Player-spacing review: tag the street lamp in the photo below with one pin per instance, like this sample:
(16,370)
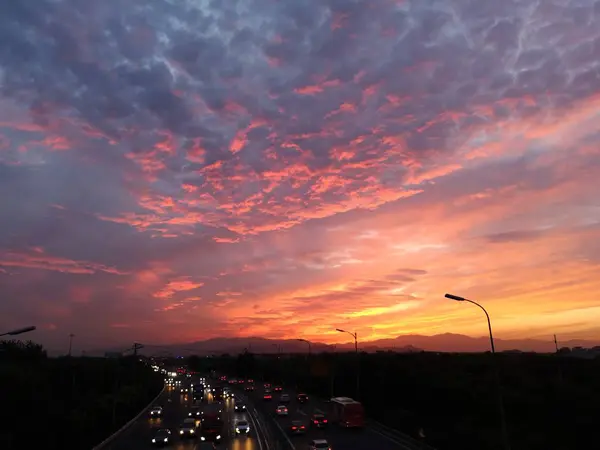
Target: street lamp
(308,342)
(18,331)
(496,372)
(355,336)
(71,336)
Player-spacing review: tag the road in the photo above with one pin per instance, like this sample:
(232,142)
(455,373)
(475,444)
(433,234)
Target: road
(139,435)
(372,437)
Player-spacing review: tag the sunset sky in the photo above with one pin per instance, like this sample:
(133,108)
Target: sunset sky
(172,171)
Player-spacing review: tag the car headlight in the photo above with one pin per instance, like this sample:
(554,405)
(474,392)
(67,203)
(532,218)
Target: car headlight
(191,431)
(180,431)
(219,436)
(202,438)
(153,440)
(166,439)
(237,430)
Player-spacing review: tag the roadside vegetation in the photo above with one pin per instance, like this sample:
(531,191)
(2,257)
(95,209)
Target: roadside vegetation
(68,402)
(551,402)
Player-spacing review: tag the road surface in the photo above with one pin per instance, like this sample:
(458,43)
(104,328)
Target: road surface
(139,435)
(372,437)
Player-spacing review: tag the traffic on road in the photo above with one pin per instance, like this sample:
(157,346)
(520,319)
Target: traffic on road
(188,417)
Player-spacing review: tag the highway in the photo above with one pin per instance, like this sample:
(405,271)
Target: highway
(371,437)
(138,436)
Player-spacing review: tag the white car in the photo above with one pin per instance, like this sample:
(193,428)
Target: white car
(156,411)
(281,410)
(319,444)
(242,428)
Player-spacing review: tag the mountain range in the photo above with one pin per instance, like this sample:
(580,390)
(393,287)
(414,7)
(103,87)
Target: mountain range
(447,342)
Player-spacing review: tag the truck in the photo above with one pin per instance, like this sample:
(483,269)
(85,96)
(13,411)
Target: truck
(346,412)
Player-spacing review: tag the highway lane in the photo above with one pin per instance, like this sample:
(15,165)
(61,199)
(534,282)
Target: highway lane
(339,438)
(175,410)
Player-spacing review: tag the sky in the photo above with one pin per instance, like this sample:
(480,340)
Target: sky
(172,171)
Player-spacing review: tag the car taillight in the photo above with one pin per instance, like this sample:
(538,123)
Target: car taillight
(324,420)
(316,421)
(294,428)
(302,427)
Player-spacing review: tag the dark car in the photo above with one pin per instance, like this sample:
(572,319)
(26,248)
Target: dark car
(302,398)
(278,389)
(267,395)
(297,427)
(318,420)
(242,428)
(240,407)
(249,387)
(195,412)
(162,437)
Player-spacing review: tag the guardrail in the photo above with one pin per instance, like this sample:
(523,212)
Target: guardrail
(397,436)
(113,436)
(260,426)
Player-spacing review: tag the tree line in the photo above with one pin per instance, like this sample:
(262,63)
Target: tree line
(551,402)
(68,402)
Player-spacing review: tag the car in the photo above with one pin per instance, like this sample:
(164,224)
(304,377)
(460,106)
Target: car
(284,398)
(240,407)
(195,412)
(302,398)
(297,427)
(319,444)
(278,389)
(281,410)
(242,428)
(187,428)
(184,390)
(267,395)
(318,420)
(156,411)
(161,437)
(249,388)
(267,386)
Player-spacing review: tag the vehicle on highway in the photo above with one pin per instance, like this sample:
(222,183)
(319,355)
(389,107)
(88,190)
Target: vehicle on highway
(267,385)
(156,411)
(227,393)
(249,387)
(250,381)
(161,437)
(278,389)
(233,381)
(211,430)
(347,412)
(267,395)
(212,413)
(284,398)
(319,444)
(318,420)
(281,410)
(302,398)
(218,393)
(184,390)
(297,427)
(242,428)
(195,412)
(240,407)
(187,428)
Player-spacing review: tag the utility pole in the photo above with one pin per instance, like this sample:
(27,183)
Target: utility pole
(71,336)
(136,347)
(560,375)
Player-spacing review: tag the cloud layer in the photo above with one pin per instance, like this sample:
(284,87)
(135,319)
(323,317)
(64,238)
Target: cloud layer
(284,168)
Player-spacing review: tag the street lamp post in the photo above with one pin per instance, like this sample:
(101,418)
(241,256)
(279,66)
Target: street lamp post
(355,336)
(18,331)
(502,413)
(71,336)
(308,342)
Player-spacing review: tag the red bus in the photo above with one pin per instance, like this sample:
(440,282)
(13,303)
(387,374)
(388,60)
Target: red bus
(347,412)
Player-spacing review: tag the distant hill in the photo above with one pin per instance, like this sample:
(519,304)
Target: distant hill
(447,342)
